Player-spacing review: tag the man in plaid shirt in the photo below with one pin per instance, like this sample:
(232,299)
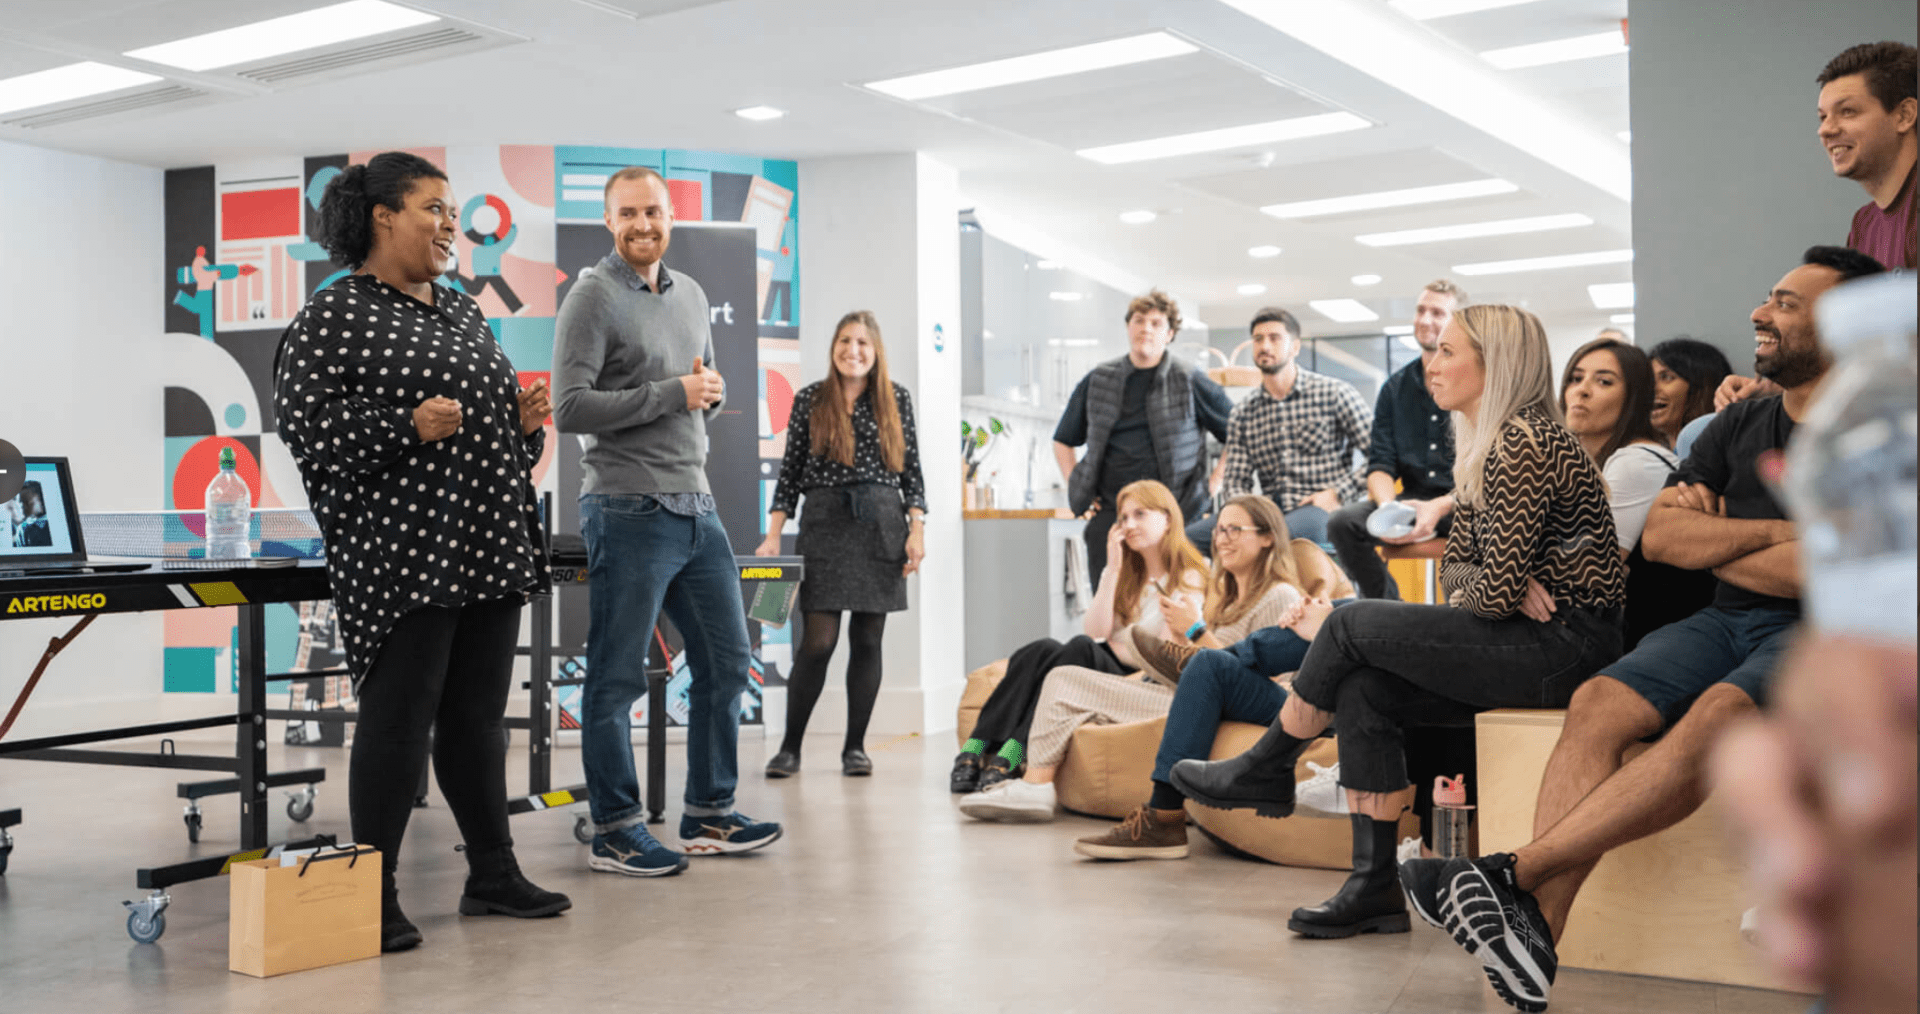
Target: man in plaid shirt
(1298,433)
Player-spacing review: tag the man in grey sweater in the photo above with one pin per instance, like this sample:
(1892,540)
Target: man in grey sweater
(632,376)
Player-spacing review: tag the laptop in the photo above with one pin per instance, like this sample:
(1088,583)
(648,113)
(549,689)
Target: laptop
(40,527)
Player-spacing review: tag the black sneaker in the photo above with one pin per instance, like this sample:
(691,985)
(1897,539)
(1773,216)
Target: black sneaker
(1493,919)
(1421,879)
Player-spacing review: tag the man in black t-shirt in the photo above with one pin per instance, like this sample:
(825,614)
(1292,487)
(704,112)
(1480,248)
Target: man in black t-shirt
(1689,680)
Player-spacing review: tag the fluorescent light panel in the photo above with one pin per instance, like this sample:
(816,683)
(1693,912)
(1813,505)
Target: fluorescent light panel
(1365,280)
(1066,297)
(1140,217)
(1579,260)
(1398,329)
(63,84)
(1611,295)
(1344,311)
(1390,199)
(1427,10)
(1227,137)
(1251,289)
(1473,230)
(1034,67)
(759,113)
(322,26)
(1539,54)
(1263,251)
(1621,318)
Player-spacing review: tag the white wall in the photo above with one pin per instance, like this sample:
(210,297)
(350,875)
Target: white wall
(82,279)
(882,234)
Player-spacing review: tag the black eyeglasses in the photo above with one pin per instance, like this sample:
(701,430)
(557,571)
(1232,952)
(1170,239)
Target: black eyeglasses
(1231,532)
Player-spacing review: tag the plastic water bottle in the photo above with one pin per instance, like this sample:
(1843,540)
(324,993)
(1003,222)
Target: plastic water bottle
(1452,818)
(229,513)
(1850,476)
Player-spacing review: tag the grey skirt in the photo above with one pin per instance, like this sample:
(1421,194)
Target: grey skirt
(854,539)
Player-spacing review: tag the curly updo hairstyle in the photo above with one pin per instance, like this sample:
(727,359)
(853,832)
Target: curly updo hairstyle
(346,209)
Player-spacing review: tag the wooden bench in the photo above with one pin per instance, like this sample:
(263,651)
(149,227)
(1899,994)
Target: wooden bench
(1668,905)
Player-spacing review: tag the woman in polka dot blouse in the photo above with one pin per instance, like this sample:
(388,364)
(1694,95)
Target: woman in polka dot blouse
(416,443)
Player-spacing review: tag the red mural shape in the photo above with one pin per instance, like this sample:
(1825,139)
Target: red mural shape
(260,214)
(688,205)
(779,401)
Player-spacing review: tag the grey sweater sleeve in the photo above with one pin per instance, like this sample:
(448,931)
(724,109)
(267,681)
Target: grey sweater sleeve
(579,356)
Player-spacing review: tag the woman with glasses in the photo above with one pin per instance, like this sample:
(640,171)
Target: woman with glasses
(1255,584)
(1535,587)
(1156,564)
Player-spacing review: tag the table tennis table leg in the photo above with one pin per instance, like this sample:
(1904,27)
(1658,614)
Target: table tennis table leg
(250,732)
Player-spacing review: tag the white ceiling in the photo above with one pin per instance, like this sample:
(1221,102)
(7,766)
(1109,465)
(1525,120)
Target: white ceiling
(669,74)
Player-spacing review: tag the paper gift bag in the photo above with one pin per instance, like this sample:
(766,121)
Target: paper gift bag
(322,910)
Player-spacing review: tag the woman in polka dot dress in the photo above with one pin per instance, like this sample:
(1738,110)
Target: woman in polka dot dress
(416,443)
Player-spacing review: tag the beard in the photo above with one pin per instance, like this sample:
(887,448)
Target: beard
(1269,369)
(1793,363)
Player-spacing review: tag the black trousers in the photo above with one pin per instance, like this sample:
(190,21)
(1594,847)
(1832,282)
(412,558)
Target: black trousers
(1008,713)
(445,672)
(1385,666)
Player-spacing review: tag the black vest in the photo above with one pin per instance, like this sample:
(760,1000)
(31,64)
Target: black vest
(1179,447)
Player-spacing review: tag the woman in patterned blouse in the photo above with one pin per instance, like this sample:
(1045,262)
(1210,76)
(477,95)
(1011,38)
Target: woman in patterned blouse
(415,443)
(1535,588)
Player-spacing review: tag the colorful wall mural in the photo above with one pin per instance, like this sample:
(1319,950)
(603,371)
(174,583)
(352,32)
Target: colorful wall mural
(242,263)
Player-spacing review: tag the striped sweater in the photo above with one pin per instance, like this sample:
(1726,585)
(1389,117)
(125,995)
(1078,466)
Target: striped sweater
(1546,516)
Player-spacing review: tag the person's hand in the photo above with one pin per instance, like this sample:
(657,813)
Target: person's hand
(1092,509)
(1327,500)
(1314,612)
(703,386)
(1426,518)
(916,549)
(1294,614)
(1539,604)
(1739,388)
(1694,496)
(1181,615)
(769,546)
(436,419)
(536,404)
(1116,540)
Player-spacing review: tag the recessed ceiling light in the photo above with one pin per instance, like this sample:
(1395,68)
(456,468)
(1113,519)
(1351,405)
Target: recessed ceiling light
(1398,329)
(1611,295)
(322,26)
(1263,251)
(1066,297)
(1140,217)
(1226,137)
(1625,135)
(1034,67)
(1344,311)
(759,113)
(60,84)
(1251,289)
(1620,318)
(1579,260)
(1365,280)
(1427,10)
(1474,230)
(1539,54)
(1408,57)
(1390,199)
(1047,265)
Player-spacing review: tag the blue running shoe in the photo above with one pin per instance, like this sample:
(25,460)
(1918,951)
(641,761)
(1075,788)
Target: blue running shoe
(635,852)
(718,836)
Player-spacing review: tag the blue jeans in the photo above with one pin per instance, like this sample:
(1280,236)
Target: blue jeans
(641,557)
(1308,523)
(1229,684)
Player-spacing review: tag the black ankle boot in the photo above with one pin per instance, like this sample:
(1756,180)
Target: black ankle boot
(1260,779)
(396,932)
(1370,901)
(495,886)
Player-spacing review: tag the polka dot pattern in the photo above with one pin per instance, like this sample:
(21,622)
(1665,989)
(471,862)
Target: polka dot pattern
(802,470)
(408,523)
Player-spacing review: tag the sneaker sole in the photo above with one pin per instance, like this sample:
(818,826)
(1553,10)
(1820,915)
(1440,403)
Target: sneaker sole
(1304,810)
(1260,808)
(715,847)
(1469,904)
(780,773)
(1122,853)
(1395,923)
(1007,814)
(616,866)
(475,906)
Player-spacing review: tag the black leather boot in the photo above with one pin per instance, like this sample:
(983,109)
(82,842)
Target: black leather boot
(1370,901)
(1260,779)
(396,932)
(495,886)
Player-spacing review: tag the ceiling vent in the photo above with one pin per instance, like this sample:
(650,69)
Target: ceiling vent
(430,42)
(163,95)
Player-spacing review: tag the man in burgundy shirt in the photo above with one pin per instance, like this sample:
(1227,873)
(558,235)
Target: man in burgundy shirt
(1867,113)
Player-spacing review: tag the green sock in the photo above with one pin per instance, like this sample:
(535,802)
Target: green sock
(1013,752)
(975,746)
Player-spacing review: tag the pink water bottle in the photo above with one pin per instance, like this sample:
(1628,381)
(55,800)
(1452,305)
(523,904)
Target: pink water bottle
(1452,818)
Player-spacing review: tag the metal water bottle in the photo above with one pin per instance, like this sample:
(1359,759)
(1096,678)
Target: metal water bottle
(1452,818)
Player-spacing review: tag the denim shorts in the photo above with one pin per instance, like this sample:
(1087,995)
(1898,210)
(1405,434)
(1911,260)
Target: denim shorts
(1678,662)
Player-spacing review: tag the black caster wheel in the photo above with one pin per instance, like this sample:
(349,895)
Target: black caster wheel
(193,834)
(146,929)
(300,809)
(583,830)
(4,853)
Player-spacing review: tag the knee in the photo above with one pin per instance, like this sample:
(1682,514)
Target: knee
(1350,522)
(1608,713)
(1720,706)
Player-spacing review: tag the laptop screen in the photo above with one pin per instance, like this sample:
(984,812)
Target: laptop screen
(41,523)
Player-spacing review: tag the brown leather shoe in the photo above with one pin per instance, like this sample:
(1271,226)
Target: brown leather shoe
(1163,658)
(1145,834)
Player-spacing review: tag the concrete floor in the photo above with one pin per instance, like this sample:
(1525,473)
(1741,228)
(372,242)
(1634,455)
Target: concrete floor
(880,898)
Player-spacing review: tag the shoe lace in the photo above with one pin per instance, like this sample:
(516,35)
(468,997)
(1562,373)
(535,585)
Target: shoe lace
(1135,826)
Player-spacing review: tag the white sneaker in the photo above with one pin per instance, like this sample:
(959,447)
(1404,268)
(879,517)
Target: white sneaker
(1015,801)
(1321,795)
(1408,851)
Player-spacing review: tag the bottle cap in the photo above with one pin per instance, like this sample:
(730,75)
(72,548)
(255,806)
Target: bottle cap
(226,457)
(1450,791)
(1879,306)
